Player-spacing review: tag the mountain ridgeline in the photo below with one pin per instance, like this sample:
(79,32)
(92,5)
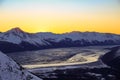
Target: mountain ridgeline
(16,40)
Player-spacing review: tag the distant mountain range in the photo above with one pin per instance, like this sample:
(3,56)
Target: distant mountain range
(16,40)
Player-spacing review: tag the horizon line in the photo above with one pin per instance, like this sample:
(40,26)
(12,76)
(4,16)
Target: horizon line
(60,33)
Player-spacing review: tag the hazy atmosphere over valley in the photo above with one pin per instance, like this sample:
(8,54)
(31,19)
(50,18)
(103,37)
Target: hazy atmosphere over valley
(59,40)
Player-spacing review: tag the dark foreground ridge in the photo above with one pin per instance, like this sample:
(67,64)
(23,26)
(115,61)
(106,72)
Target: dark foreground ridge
(112,58)
(82,74)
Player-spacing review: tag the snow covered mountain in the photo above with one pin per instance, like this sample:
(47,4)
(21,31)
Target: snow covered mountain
(112,58)
(18,40)
(10,70)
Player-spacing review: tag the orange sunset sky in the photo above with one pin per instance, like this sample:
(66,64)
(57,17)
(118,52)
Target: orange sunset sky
(60,16)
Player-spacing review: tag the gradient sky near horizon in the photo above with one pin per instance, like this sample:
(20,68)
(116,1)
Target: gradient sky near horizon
(60,16)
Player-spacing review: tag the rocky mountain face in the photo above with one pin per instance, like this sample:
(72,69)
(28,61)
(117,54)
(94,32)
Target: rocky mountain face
(112,58)
(10,70)
(16,40)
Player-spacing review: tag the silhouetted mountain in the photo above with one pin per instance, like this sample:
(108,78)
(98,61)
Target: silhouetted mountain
(18,40)
(112,58)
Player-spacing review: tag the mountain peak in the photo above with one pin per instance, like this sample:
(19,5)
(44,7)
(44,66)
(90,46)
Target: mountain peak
(75,32)
(16,30)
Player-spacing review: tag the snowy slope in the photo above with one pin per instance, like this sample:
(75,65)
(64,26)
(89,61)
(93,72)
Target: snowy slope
(9,70)
(35,41)
(112,58)
(88,36)
(16,35)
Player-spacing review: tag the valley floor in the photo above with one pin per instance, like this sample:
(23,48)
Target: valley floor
(81,63)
